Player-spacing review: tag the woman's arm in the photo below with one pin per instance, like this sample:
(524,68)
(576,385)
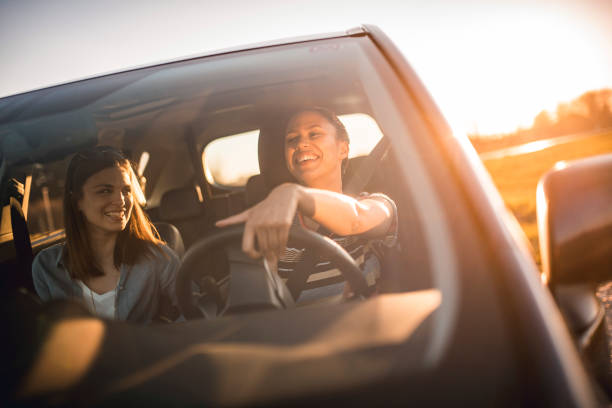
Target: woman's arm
(345,215)
(39,272)
(168,274)
(271,219)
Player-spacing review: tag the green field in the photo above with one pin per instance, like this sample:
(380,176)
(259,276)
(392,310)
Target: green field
(517,176)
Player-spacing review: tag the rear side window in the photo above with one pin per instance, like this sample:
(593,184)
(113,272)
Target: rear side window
(241,150)
(43,189)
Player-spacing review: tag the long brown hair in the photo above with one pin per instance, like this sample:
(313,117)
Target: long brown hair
(139,238)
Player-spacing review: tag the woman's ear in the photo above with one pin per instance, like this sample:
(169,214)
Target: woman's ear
(344,150)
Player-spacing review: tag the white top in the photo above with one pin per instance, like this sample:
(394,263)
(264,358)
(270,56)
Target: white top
(102,305)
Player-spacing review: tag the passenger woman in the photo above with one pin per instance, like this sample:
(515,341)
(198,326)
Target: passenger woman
(316,153)
(112,259)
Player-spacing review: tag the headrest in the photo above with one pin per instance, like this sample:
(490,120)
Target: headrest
(271,154)
(179,204)
(256,190)
(354,163)
(171,235)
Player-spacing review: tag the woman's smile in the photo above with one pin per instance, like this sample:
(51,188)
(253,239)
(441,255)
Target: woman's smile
(305,159)
(313,152)
(116,215)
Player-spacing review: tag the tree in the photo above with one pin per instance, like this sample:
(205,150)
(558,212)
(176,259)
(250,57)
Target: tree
(542,121)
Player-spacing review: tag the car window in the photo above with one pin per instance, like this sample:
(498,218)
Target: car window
(223,173)
(42,205)
(46,194)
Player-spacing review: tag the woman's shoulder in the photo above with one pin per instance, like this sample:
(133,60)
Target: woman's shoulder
(48,263)
(375,196)
(162,261)
(169,252)
(162,253)
(390,237)
(50,255)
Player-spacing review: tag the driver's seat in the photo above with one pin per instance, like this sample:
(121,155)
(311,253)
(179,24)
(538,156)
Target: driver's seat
(272,168)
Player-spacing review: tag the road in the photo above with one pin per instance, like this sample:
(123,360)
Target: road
(539,145)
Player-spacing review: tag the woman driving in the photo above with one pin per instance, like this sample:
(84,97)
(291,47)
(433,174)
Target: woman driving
(112,259)
(316,153)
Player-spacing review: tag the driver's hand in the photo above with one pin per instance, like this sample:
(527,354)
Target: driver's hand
(269,222)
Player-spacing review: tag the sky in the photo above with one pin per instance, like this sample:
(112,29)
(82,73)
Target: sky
(491,65)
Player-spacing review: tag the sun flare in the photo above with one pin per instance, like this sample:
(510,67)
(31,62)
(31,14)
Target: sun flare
(500,73)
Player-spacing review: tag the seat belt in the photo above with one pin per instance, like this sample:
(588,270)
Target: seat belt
(389,257)
(364,173)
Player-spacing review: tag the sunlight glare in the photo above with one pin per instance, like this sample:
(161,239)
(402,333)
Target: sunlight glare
(516,66)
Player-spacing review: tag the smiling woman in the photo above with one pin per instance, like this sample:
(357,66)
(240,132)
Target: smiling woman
(108,236)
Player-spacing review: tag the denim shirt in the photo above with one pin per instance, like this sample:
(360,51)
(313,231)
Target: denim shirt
(139,290)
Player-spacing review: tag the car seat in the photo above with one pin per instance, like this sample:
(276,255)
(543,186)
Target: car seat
(181,210)
(272,168)
(172,236)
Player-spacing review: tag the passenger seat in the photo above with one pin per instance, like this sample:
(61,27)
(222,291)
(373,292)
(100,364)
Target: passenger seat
(171,235)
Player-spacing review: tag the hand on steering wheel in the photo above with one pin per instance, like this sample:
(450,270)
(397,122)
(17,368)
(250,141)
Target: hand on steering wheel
(191,264)
(268,222)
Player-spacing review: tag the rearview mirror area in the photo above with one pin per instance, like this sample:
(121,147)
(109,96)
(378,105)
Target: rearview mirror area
(574,207)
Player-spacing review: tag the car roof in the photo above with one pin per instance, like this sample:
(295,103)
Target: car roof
(359,30)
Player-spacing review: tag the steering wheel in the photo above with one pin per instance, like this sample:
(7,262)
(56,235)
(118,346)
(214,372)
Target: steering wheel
(192,260)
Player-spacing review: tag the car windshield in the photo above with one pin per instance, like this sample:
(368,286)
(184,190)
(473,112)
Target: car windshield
(199,130)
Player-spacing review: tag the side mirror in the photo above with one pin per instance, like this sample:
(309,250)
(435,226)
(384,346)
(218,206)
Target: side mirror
(574,207)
